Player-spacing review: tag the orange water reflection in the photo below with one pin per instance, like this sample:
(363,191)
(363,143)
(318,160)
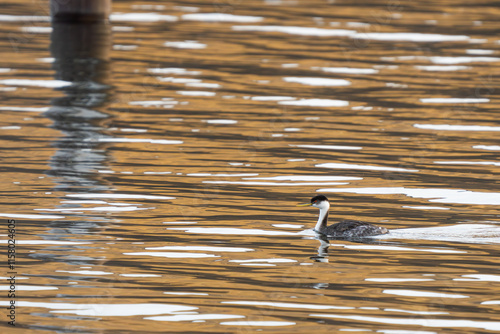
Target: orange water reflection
(158,191)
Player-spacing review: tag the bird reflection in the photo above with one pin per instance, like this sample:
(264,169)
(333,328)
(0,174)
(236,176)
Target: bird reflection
(322,249)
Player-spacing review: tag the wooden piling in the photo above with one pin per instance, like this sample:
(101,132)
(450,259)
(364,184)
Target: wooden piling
(79,10)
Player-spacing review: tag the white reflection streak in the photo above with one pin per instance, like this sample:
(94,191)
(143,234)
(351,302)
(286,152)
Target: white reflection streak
(478,277)
(152,103)
(491,302)
(353,166)
(277,183)
(265,260)
(141,17)
(347,70)
(117,310)
(100,208)
(290,305)
(85,272)
(195,93)
(258,323)
(172,255)
(221,17)
(29,109)
(235,231)
(448,127)
(396,248)
(317,81)
(222,174)
(486,163)
(122,196)
(221,121)
(479,52)
(272,98)
(305,178)
(394,280)
(35,83)
(185,44)
(140,140)
(178,80)
(330,147)
(417,293)
(195,317)
(489,325)
(47,242)
(425,207)
(413,37)
(173,70)
(459,60)
(471,233)
(15,215)
(292,30)
(203,84)
(415,312)
(442,68)
(178,293)
(459,196)
(316,103)
(28,288)
(203,248)
(28,18)
(454,100)
(487,147)
(37,30)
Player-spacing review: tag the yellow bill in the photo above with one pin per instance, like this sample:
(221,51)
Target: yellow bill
(306,204)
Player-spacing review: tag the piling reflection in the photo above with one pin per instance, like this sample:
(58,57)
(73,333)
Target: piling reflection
(81,57)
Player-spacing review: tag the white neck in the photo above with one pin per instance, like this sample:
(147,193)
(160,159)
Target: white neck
(323,216)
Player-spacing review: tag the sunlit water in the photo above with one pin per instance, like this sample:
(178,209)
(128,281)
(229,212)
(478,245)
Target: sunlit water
(153,167)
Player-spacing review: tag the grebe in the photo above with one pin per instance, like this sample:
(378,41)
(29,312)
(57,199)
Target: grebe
(344,229)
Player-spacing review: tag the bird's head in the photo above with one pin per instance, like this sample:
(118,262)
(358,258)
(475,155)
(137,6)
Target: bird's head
(318,201)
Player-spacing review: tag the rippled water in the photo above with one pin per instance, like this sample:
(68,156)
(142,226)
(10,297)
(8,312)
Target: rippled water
(153,167)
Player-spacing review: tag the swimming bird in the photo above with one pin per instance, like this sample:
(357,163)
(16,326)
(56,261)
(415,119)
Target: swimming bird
(349,229)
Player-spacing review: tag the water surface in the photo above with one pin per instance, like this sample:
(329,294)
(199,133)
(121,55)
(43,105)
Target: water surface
(153,166)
